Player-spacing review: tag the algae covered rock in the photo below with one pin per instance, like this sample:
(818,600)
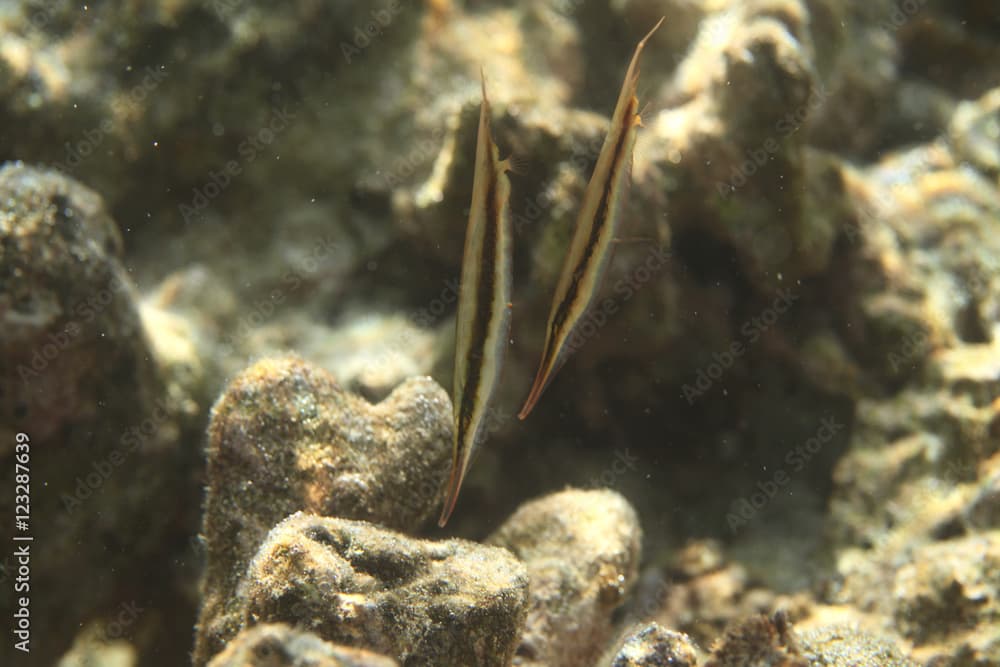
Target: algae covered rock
(761,641)
(71,332)
(655,646)
(731,156)
(426,603)
(581,549)
(947,601)
(839,646)
(278,645)
(285,437)
(84,405)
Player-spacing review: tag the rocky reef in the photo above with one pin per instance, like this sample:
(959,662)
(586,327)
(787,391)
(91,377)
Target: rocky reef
(230,237)
(101,414)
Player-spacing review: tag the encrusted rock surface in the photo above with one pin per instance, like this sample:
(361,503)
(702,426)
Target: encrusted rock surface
(817,187)
(99,421)
(845,646)
(947,600)
(285,437)
(71,331)
(654,646)
(278,645)
(425,603)
(760,641)
(582,550)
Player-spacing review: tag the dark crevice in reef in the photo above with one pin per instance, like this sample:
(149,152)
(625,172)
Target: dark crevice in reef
(709,260)
(969,325)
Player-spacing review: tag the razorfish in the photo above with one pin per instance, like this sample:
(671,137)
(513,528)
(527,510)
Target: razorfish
(482,323)
(596,226)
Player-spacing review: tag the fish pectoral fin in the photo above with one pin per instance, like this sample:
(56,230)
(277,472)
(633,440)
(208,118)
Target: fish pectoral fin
(515,164)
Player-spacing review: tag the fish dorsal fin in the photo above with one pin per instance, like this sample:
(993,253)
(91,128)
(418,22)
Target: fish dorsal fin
(632,75)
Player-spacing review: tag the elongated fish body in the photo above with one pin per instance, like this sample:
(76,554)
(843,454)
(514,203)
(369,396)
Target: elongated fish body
(596,226)
(482,322)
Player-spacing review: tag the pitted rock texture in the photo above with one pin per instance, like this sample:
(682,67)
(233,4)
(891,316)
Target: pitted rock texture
(278,645)
(582,550)
(439,604)
(285,437)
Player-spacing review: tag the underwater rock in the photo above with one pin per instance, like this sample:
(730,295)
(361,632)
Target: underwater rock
(285,437)
(654,646)
(581,549)
(975,132)
(369,353)
(91,411)
(922,464)
(760,641)
(704,598)
(912,303)
(915,513)
(729,156)
(425,603)
(278,645)
(840,646)
(314,158)
(71,329)
(946,600)
(914,495)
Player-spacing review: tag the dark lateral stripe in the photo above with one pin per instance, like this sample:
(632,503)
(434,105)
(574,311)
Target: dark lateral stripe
(601,216)
(484,301)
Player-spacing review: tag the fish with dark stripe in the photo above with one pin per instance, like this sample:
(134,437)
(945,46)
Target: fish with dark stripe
(596,226)
(482,323)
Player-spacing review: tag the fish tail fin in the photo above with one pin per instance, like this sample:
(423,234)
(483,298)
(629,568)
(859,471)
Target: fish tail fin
(451,498)
(537,387)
